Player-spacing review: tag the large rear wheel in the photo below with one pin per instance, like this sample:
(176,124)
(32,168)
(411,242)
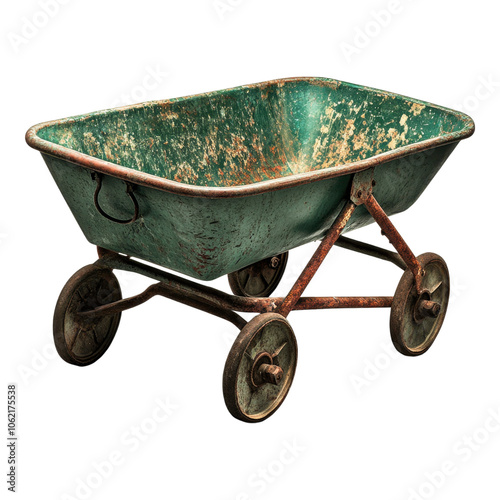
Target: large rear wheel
(83,340)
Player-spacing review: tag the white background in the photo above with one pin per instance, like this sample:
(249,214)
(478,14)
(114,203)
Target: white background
(365,421)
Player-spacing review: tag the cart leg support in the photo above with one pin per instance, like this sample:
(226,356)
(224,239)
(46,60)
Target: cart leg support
(371,250)
(170,286)
(208,299)
(362,194)
(395,238)
(168,292)
(319,256)
(224,305)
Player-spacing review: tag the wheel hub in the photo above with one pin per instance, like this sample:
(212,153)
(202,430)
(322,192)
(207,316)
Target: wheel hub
(425,307)
(265,371)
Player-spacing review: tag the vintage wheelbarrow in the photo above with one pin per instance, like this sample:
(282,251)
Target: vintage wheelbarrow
(226,183)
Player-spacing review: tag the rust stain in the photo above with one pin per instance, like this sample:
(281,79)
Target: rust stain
(249,134)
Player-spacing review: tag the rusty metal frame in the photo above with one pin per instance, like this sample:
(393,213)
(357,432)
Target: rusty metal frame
(209,299)
(395,238)
(319,255)
(371,250)
(226,305)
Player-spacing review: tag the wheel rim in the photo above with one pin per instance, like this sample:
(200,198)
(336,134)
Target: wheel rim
(259,279)
(260,368)
(84,340)
(417,318)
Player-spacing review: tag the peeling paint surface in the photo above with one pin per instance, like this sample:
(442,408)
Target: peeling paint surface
(254,133)
(188,158)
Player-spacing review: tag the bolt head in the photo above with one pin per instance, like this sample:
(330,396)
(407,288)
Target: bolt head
(271,374)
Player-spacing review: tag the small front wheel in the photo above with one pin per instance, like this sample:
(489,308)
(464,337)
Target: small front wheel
(260,368)
(83,340)
(259,279)
(416,318)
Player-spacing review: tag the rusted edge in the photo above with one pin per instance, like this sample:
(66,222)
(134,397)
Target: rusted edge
(148,180)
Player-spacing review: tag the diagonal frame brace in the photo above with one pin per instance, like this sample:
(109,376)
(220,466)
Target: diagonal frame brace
(223,305)
(316,260)
(362,194)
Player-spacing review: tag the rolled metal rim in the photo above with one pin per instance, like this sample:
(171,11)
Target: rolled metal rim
(149,180)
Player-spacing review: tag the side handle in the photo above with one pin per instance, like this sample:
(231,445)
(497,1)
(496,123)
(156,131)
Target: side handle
(129,190)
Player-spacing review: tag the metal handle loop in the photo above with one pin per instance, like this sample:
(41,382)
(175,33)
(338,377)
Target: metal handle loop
(98,178)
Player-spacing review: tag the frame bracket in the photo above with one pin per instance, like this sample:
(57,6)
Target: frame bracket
(362,186)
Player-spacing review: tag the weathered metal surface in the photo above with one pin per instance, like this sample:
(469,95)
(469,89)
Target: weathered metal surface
(83,339)
(417,315)
(174,291)
(213,300)
(267,374)
(216,139)
(305,303)
(362,186)
(260,368)
(210,169)
(231,181)
(426,309)
(319,255)
(259,279)
(371,250)
(389,230)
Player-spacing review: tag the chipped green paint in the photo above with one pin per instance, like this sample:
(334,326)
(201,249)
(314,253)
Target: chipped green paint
(228,178)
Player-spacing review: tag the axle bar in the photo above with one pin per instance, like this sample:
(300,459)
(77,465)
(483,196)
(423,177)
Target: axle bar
(211,300)
(371,250)
(319,255)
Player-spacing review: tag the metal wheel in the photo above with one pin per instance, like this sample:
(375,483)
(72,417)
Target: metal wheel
(260,368)
(82,341)
(259,279)
(417,318)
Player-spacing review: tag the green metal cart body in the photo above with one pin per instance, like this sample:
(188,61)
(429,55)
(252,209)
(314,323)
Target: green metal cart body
(226,183)
(225,179)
